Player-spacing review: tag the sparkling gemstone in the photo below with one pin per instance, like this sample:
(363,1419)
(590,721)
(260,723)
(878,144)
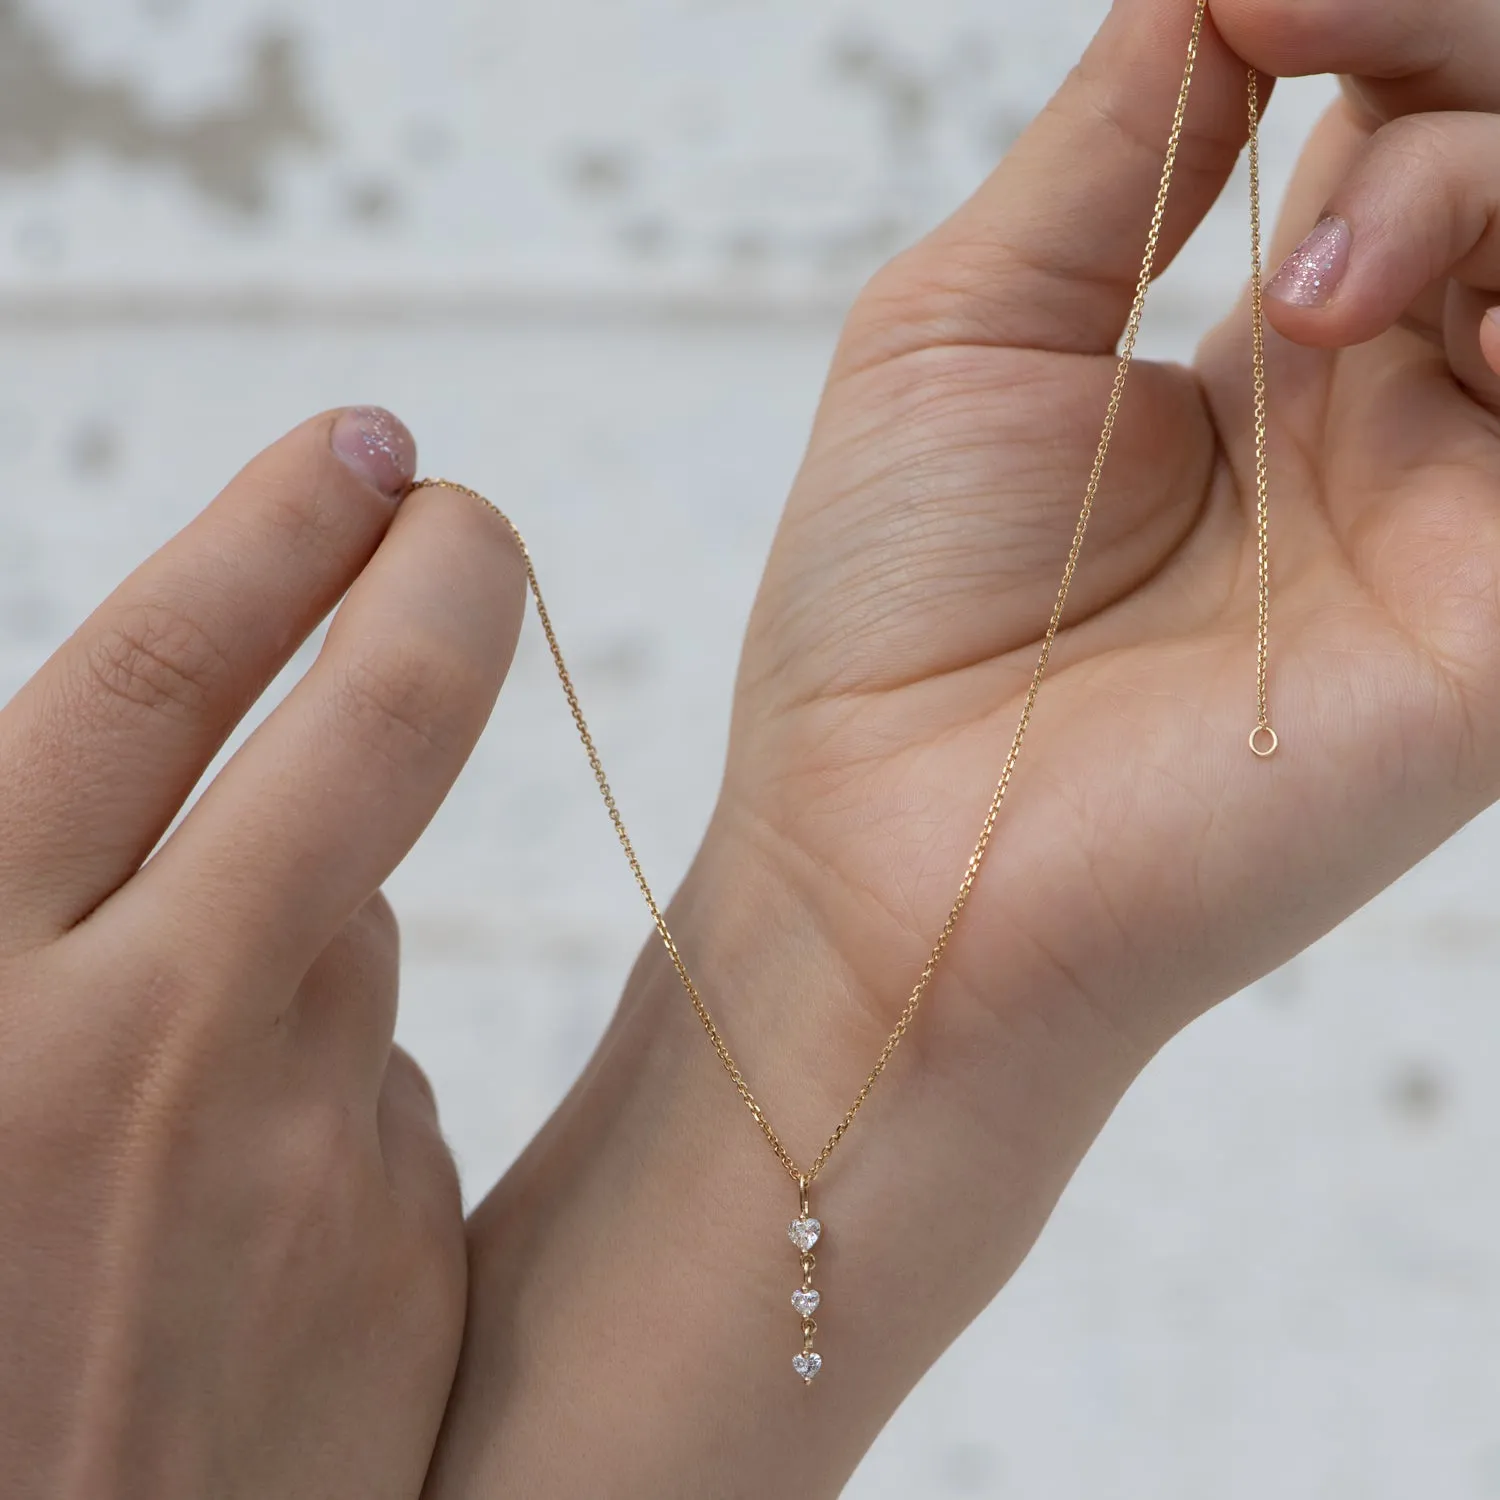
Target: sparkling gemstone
(807,1365)
(803,1233)
(806,1300)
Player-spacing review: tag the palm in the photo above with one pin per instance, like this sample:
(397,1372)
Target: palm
(1143,840)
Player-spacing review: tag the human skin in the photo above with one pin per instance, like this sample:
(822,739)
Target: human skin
(629,1331)
(231,1243)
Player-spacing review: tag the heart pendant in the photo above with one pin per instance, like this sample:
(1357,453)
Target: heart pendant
(807,1365)
(804,1233)
(805,1299)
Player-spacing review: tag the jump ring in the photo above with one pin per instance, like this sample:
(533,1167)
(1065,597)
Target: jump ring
(1263,741)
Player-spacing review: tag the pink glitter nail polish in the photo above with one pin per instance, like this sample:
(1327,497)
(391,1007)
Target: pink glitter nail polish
(377,446)
(1311,274)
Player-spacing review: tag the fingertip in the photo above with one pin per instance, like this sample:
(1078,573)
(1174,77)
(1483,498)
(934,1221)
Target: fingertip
(489,520)
(450,572)
(1330,36)
(377,446)
(1277,37)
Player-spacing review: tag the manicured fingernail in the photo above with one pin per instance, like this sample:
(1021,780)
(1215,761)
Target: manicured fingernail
(1310,275)
(377,446)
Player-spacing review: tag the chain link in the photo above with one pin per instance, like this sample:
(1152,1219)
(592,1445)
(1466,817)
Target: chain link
(805,1175)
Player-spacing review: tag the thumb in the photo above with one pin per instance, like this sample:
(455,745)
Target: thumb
(1047,253)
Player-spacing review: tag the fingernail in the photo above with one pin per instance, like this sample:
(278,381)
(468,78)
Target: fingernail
(377,446)
(1310,275)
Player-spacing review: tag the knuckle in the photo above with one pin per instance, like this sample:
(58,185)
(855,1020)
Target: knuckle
(303,518)
(919,279)
(138,1044)
(1421,142)
(377,923)
(427,1191)
(428,1264)
(406,1077)
(402,702)
(317,1157)
(903,304)
(952,288)
(171,1008)
(392,703)
(155,657)
(439,1269)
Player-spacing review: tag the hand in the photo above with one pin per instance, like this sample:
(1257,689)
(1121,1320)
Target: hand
(1146,865)
(231,1247)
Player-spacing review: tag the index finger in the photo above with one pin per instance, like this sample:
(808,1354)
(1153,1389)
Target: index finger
(1398,57)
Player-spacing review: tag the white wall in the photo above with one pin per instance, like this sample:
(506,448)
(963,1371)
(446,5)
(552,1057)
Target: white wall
(595,251)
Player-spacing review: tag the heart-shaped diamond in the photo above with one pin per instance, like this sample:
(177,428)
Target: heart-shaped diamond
(805,1299)
(807,1365)
(803,1233)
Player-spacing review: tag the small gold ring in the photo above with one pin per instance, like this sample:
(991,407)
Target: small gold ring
(1259,745)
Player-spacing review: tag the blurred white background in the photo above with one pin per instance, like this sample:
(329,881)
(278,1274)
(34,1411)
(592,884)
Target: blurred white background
(595,252)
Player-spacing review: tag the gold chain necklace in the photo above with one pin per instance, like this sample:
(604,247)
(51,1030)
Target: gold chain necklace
(805,1231)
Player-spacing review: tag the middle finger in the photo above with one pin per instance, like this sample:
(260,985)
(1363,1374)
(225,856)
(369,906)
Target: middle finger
(101,748)
(319,806)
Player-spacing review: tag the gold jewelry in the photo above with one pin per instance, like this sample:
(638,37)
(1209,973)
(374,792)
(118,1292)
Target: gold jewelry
(805,1231)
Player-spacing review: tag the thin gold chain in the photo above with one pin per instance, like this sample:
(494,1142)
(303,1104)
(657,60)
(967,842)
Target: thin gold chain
(804,1176)
(1262,738)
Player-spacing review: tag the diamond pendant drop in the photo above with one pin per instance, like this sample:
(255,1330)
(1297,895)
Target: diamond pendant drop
(805,1299)
(804,1232)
